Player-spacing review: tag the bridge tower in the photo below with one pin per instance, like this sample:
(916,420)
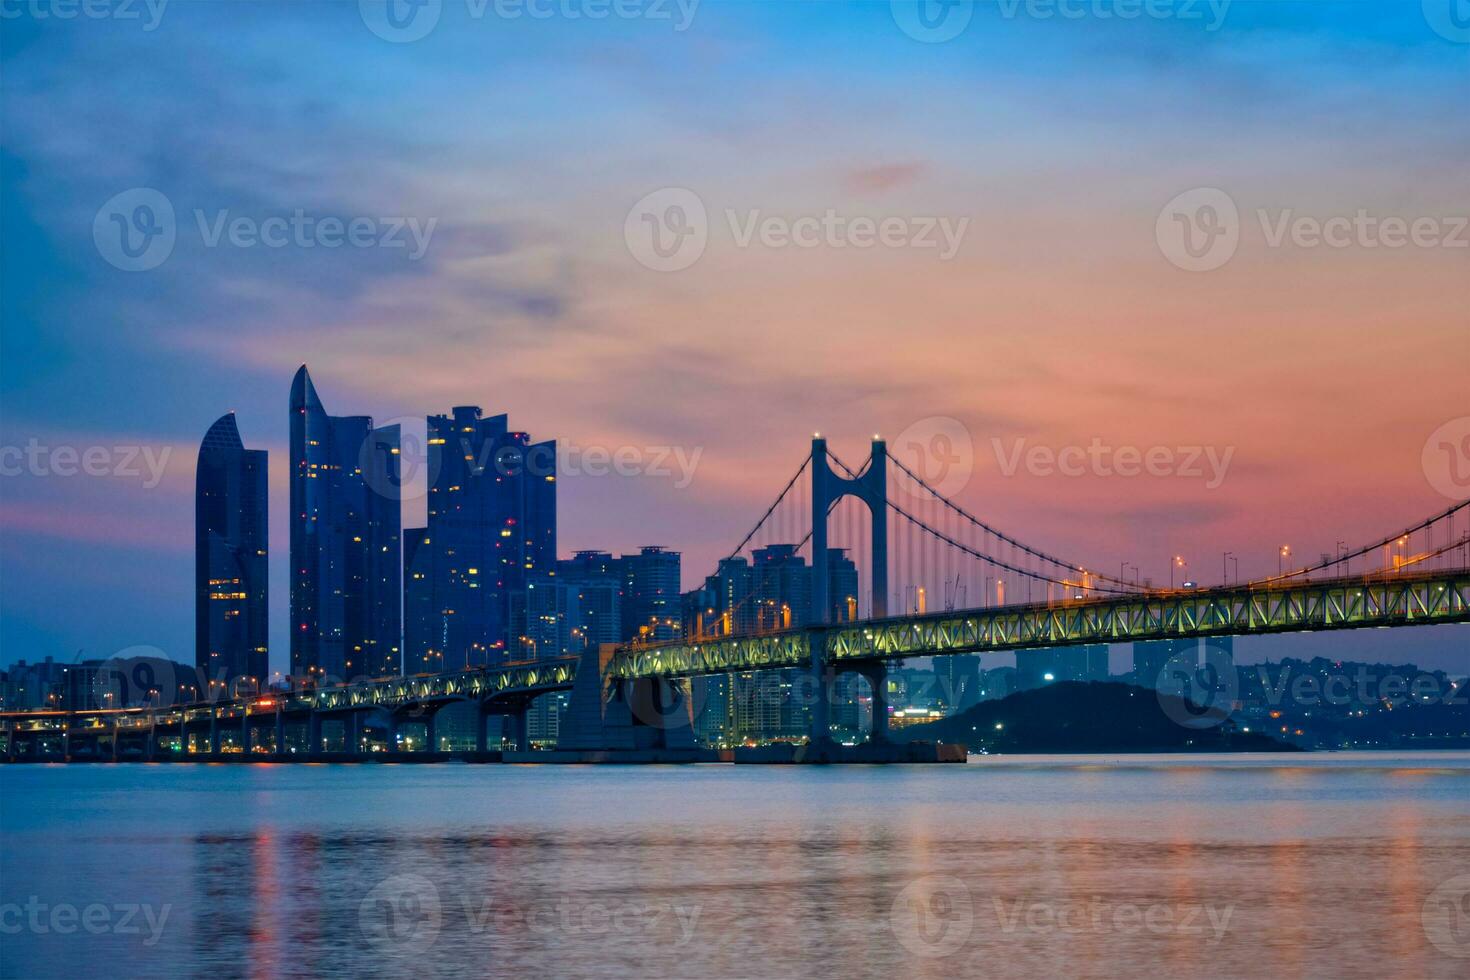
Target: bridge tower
(871,487)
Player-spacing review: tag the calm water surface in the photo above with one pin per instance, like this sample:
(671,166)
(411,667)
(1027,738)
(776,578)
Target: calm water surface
(1340,865)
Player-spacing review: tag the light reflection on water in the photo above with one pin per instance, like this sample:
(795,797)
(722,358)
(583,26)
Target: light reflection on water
(1018,866)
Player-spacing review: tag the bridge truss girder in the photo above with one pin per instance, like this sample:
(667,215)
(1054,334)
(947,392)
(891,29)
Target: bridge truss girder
(1240,611)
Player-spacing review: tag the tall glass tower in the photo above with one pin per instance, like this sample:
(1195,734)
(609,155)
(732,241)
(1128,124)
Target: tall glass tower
(346,554)
(491,532)
(230,561)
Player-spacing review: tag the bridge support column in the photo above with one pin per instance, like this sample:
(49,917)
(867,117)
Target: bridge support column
(597,717)
(482,729)
(519,731)
(314,744)
(871,487)
(821,714)
(115,731)
(214,731)
(430,735)
(280,746)
(877,676)
(351,741)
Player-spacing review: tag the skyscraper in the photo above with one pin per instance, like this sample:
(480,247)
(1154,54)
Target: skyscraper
(491,532)
(652,605)
(346,558)
(230,560)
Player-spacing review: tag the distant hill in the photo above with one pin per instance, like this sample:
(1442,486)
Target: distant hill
(1079,717)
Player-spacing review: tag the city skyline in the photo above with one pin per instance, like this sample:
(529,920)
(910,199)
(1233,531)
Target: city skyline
(693,488)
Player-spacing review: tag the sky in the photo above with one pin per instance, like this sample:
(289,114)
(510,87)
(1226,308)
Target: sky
(646,232)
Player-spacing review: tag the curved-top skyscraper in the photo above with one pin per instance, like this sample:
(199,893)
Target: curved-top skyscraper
(346,561)
(230,559)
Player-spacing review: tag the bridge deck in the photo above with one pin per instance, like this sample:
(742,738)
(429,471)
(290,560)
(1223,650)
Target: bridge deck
(1328,604)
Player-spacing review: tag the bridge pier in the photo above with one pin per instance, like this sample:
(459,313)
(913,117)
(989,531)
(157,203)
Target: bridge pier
(351,736)
(822,679)
(518,730)
(877,675)
(482,729)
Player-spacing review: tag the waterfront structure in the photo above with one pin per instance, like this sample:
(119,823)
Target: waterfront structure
(231,562)
(491,531)
(629,697)
(346,555)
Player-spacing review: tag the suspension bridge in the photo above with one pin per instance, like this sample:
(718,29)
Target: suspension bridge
(937,580)
(921,577)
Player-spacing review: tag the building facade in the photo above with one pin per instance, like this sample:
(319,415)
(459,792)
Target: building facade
(231,564)
(346,555)
(491,532)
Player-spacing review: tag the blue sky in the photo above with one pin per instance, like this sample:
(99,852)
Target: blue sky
(527,140)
